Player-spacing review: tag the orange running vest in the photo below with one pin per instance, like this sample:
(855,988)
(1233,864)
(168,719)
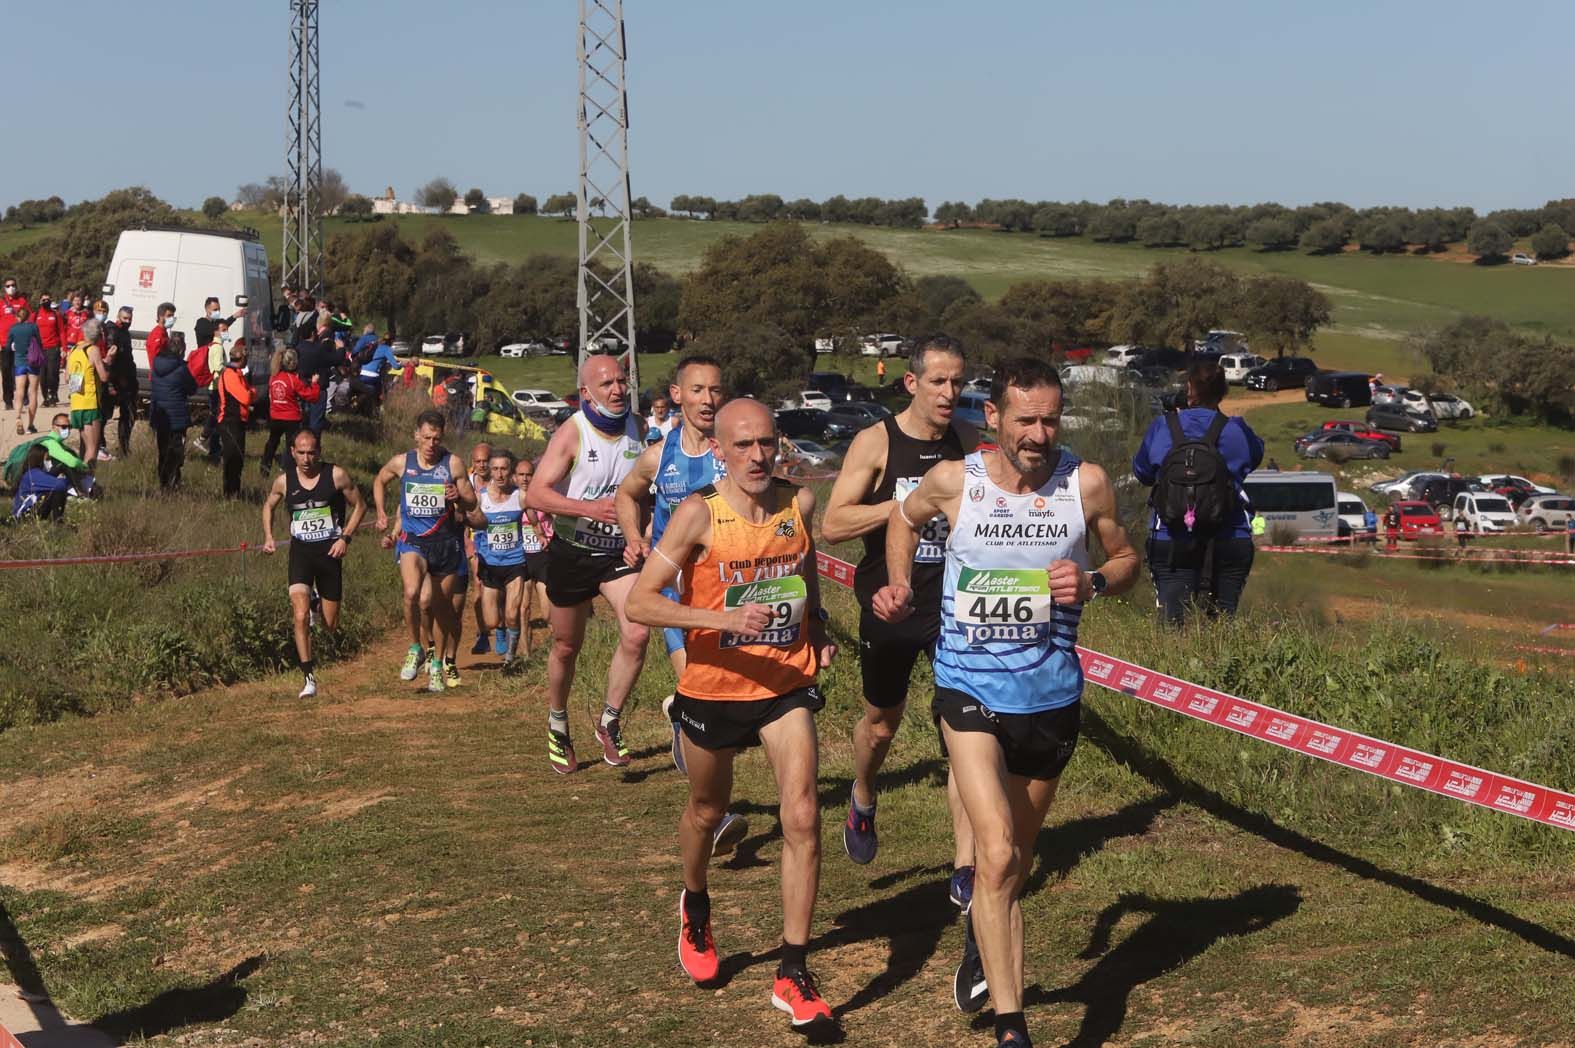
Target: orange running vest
(750,564)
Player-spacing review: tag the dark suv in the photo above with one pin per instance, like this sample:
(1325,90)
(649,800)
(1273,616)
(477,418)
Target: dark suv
(1340,389)
(1281,373)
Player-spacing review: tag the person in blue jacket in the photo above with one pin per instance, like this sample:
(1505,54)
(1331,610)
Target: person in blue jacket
(169,409)
(1211,569)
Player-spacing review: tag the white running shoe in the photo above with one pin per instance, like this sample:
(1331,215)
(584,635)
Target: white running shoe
(309,689)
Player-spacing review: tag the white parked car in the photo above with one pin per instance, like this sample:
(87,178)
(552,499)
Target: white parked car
(810,398)
(434,346)
(1482,511)
(1403,484)
(1091,417)
(512,350)
(1547,511)
(1520,258)
(1082,374)
(1447,405)
(1353,513)
(542,399)
(812,454)
(1122,355)
(880,345)
(1236,366)
(1492,481)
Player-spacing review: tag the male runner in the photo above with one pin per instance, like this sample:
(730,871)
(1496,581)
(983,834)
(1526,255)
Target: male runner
(676,467)
(756,639)
(480,457)
(498,521)
(433,494)
(1008,684)
(315,494)
(584,463)
(883,464)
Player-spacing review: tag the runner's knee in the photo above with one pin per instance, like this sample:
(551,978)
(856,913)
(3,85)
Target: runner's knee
(800,817)
(707,813)
(995,858)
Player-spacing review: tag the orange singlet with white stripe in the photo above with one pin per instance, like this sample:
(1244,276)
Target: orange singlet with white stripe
(749,563)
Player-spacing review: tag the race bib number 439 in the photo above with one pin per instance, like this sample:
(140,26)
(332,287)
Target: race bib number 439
(1002,604)
(783,597)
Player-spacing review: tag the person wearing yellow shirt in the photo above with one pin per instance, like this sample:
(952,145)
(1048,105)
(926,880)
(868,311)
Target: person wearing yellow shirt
(85,370)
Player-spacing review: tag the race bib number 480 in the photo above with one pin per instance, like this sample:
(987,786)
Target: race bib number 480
(783,597)
(424,500)
(1002,604)
(935,531)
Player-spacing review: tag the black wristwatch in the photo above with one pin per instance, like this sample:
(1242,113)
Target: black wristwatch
(822,616)
(1096,579)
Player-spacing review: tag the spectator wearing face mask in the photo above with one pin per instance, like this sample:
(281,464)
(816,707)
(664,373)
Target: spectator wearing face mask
(22,347)
(287,394)
(40,492)
(85,372)
(163,324)
(75,316)
(11,300)
(207,325)
(122,372)
(172,387)
(51,335)
(235,408)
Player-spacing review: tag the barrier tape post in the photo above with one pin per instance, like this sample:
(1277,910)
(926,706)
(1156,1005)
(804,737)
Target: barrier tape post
(1311,738)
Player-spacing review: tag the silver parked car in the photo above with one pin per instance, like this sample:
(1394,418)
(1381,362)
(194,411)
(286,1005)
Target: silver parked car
(1545,512)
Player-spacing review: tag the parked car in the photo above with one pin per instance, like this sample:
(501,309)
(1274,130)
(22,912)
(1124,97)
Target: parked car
(1418,519)
(1547,511)
(859,415)
(1236,366)
(1494,481)
(1391,416)
(1362,429)
(1221,341)
(1339,389)
(1402,484)
(809,398)
(513,350)
(1085,374)
(970,408)
(1447,405)
(810,422)
(881,345)
(543,399)
(1520,258)
(561,345)
(1355,518)
(1122,355)
(401,348)
(832,383)
(811,453)
(434,346)
(1091,418)
(1160,357)
(1440,492)
(1302,500)
(1482,511)
(1320,444)
(1281,373)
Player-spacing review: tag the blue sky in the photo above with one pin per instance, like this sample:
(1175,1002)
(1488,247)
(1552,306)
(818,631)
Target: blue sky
(1416,103)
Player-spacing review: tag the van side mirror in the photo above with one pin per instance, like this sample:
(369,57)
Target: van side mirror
(241,301)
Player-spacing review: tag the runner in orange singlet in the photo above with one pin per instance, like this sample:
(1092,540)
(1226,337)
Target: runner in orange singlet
(756,639)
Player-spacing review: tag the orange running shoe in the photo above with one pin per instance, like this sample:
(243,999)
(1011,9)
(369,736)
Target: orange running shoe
(795,993)
(696,949)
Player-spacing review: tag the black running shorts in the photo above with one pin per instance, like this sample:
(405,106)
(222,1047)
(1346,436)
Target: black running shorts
(575,576)
(1036,745)
(887,653)
(310,565)
(536,567)
(714,724)
(445,554)
(497,576)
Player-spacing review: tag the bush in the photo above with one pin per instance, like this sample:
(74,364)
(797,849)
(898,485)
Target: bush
(1550,242)
(1497,447)
(1438,448)
(1283,534)
(1566,468)
(1489,242)
(214,208)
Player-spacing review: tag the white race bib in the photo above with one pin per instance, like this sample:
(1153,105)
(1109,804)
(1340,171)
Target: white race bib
(74,382)
(784,597)
(933,535)
(532,538)
(597,535)
(1003,604)
(424,499)
(503,538)
(314,524)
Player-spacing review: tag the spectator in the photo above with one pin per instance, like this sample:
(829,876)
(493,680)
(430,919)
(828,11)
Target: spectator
(85,372)
(23,348)
(880,371)
(1208,566)
(207,325)
(218,351)
(10,301)
(287,395)
(39,491)
(235,408)
(169,411)
(122,374)
(661,420)
(367,340)
(1392,527)
(315,365)
(163,324)
(51,335)
(74,317)
(337,394)
(373,366)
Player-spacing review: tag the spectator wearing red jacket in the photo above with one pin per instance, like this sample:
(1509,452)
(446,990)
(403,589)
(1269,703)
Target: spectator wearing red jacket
(287,397)
(51,329)
(11,300)
(164,320)
(74,316)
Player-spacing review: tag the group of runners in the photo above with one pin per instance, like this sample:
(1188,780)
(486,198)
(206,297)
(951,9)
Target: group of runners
(978,558)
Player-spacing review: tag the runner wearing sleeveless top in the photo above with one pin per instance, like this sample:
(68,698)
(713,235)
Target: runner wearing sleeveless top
(1008,684)
(678,465)
(316,495)
(584,463)
(498,520)
(883,464)
(434,493)
(755,640)
(535,534)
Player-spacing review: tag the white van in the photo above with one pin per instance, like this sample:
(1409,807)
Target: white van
(1483,511)
(1304,500)
(186,267)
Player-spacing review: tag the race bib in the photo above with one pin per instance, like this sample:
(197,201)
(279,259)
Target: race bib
(531,539)
(75,382)
(597,535)
(784,597)
(934,533)
(315,524)
(424,499)
(503,538)
(1001,604)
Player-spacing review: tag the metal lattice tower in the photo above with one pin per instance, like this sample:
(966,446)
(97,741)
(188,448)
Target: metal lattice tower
(302,257)
(606,283)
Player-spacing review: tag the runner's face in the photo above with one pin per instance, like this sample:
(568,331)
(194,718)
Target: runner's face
(478,460)
(698,394)
(306,454)
(428,439)
(1027,426)
(749,449)
(606,385)
(522,475)
(501,472)
(935,392)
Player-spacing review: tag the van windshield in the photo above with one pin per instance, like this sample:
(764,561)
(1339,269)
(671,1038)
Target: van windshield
(1492,505)
(1278,496)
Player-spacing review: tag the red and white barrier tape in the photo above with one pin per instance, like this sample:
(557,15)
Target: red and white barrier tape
(1544,649)
(1441,555)
(8,1040)
(132,558)
(1386,760)
(1554,627)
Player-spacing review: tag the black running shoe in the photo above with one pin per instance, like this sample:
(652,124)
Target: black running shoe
(969,990)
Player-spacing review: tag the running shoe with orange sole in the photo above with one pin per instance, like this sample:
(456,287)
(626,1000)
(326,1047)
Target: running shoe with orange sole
(614,751)
(796,994)
(696,949)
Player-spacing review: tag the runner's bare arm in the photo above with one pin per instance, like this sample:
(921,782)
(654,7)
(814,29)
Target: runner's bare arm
(846,515)
(685,538)
(939,492)
(633,498)
(819,639)
(352,494)
(97,360)
(390,471)
(1068,582)
(553,470)
(275,496)
(463,493)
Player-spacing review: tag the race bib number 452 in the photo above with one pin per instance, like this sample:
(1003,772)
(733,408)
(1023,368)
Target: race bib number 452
(783,597)
(1003,604)
(314,524)
(934,533)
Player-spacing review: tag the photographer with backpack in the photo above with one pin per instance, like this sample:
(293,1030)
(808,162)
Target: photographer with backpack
(1200,535)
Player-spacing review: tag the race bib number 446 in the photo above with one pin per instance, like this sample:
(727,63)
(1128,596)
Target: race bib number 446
(1001,604)
(783,597)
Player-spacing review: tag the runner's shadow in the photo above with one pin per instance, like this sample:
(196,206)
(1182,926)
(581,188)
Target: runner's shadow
(912,922)
(1061,848)
(19,961)
(174,1009)
(1176,931)
(1159,771)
